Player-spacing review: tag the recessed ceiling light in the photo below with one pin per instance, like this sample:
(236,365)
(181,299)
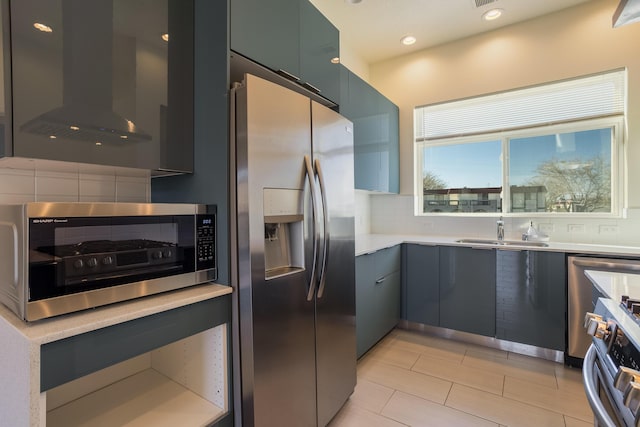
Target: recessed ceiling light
(408,40)
(74,127)
(52,137)
(98,143)
(165,37)
(42,27)
(335,60)
(492,14)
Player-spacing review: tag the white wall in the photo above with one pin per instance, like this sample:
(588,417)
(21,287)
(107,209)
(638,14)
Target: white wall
(569,43)
(353,62)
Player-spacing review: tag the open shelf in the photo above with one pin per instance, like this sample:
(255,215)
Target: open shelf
(147,398)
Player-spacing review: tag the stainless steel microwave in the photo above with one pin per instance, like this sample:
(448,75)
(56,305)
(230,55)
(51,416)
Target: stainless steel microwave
(58,258)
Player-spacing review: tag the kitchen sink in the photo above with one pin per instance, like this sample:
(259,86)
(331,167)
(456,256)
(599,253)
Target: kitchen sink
(503,242)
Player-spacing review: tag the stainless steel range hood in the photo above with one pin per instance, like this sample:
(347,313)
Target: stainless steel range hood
(87,111)
(628,12)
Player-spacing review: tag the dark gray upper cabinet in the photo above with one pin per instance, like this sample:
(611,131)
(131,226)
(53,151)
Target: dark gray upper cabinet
(375,134)
(468,290)
(530,298)
(267,32)
(421,284)
(291,36)
(319,45)
(100,85)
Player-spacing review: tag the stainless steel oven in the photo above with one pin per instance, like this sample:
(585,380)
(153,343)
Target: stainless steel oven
(611,369)
(581,298)
(58,258)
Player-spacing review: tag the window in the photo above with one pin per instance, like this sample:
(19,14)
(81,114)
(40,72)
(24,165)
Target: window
(555,149)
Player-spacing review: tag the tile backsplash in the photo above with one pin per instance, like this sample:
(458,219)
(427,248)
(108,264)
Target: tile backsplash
(393,214)
(23,181)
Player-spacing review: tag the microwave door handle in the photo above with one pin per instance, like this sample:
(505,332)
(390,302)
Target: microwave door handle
(326,230)
(16,253)
(591,389)
(314,215)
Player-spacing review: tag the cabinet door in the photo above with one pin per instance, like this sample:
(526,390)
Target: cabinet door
(387,288)
(377,296)
(531,302)
(421,284)
(366,316)
(102,86)
(267,32)
(319,44)
(390,148)
(375,134)
(367,132)
(467,290)
(388,297)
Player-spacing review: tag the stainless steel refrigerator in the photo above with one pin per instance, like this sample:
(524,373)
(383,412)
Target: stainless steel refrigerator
(293,256)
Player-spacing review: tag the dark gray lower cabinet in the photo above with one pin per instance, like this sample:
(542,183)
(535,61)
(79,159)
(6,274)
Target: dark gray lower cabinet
(377,296)
(468,289)
(531,298)
(98,349)
(513,295)
(421,284)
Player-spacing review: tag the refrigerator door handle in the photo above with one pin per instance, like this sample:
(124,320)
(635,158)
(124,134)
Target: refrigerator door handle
(314,215)
(327,231)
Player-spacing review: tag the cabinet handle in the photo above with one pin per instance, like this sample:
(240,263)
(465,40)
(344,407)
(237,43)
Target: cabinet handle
(288,75)
(380,280)
(311,87)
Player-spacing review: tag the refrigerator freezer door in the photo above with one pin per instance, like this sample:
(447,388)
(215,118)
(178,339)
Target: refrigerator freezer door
(273,135)
(332,137)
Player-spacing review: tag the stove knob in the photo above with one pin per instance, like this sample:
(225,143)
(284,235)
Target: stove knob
(108,260)
(598,328)
(590,316)
(166,253)
(78,264)
(156,255)
(92,262)
(632,397)
(624,377)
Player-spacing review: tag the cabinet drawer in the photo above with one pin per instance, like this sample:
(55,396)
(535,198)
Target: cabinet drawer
(387,261)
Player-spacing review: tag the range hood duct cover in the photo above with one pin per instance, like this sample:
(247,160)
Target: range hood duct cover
(87,80)
(628,12)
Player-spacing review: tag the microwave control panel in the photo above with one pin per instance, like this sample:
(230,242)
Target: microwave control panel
(206,241)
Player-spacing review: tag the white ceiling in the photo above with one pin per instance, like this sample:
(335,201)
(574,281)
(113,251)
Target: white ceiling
(372,29)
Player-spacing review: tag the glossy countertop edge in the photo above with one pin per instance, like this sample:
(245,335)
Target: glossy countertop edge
(614,284)
(367,243)
(60,327)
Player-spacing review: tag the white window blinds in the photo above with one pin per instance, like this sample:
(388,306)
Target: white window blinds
(581,98)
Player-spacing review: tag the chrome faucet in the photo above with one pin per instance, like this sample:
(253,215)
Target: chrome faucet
(500,224)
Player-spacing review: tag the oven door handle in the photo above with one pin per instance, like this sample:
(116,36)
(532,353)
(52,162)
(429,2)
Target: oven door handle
(591,389)
(609,265)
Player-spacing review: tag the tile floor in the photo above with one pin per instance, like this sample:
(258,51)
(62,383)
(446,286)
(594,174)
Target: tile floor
(410,379)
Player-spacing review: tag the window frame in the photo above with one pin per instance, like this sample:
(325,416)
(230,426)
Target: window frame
(618,165)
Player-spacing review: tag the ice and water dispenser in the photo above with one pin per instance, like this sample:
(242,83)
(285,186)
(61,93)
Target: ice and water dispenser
(283,232)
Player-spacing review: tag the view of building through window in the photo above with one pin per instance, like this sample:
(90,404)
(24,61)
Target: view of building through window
(463,177)
(561,172)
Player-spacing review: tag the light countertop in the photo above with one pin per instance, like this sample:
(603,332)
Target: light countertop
(60,327)
(614,285)
(367,243)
